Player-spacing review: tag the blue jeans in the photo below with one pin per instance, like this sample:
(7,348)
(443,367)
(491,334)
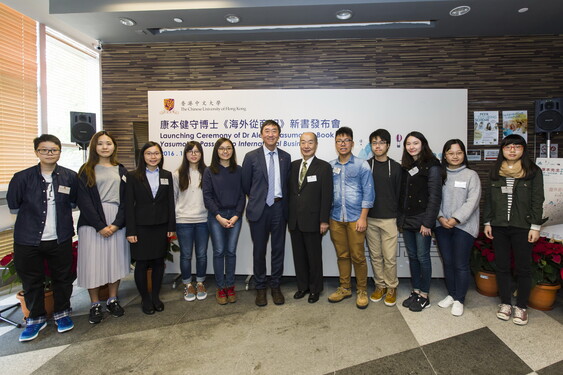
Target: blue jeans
(455,246)
(418,249)
(187,235)
(224,242)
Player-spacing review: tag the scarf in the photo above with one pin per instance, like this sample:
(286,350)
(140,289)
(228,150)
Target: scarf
(514,172)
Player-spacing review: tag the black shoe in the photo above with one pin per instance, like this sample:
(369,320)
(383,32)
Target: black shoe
(158,305)
(115,309)
(313,297)
(300,294)
(277,296)
(408,302)
(420,304)
(147,307)
(261,298)
(96,315)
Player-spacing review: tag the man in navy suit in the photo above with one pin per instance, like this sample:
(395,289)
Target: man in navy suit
(265,173)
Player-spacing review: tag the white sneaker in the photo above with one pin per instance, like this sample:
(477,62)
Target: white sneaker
(446,302)
(457,308)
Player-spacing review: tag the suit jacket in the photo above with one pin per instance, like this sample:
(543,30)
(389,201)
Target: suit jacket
(143,209)
(255,181)
(310,205)
(90,204)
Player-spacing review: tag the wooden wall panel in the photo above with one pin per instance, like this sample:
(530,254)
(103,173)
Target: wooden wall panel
(501,73)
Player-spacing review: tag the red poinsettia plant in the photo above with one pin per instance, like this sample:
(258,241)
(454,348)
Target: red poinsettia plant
(9,268)
(547,256)
(483,255)
(172,247)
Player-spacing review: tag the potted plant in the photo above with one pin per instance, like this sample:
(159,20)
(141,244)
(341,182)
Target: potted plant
(483,266)
(547,273)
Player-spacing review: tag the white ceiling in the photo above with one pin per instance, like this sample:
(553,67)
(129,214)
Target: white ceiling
(91,20)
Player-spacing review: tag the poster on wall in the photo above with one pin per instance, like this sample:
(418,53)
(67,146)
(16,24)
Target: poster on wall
(177,117)
(485,128)
(515,122)
(490,155)
(474,155)
(552,170)
(553,150)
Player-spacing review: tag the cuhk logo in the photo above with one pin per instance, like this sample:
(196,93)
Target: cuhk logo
(169,104)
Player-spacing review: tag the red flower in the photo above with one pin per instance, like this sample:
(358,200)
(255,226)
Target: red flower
(536,257)
(490,257)
(556,258)
(6,260)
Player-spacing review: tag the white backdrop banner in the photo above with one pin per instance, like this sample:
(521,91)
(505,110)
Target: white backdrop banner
(177,117)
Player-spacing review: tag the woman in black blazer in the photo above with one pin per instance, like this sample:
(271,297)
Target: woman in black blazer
(150,220)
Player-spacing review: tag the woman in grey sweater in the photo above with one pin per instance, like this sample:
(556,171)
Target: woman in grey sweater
(458,222)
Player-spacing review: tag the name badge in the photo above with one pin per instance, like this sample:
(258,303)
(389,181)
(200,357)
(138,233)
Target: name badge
(164,181)
(413,171)
(336,170)
(461,184)
(506,190)
(124,178)
(312,178)
(64,189)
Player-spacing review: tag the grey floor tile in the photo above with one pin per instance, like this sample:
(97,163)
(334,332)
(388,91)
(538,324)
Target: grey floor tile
(410,362)
(554,369)
(476,352)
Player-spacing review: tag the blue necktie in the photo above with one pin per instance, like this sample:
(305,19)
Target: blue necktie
(271,180)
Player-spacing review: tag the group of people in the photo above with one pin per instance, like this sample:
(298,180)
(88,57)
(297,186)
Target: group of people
(132,215)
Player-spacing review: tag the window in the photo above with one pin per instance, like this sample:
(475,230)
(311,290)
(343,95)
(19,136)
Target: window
(73,85)
(18,93)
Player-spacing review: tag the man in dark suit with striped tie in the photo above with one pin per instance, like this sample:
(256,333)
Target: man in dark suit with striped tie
(310,200)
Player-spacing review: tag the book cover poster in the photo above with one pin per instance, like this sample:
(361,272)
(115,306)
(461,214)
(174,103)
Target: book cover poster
(515,122)
(485,128)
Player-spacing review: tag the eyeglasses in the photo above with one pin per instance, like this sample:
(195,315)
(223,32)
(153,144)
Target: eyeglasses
(452,154)
(342,141)
(380,143)
(194,152)
(46,151)
(152,153)
(224,149)
(513,146)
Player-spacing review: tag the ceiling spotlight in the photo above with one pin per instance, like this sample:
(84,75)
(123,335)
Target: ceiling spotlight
(178,20)
(460,11)
(127,21)
(344,14)
(231,18)
(522,10)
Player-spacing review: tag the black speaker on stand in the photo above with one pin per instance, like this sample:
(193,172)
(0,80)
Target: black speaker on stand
(82,128)
(549,118)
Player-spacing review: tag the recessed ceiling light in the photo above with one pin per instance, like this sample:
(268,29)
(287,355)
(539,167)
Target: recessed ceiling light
(231,18)
(127,21)
(460,11)
(344,14)
(178,20)
(522,10)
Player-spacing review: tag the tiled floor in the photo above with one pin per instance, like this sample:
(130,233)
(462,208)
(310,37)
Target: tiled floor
(202,337)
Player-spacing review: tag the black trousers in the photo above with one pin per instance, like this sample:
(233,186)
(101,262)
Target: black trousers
(141,267)
(308,259)
(29,262)
(513,240)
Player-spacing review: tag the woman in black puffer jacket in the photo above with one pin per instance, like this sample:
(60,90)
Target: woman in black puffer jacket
(419,204)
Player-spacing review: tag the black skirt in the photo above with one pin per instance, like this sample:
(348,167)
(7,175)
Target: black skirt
(152,242)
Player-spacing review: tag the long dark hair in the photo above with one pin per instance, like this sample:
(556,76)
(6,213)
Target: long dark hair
(528,166)
(446,148)
(142,164)
(426,154)
(184,170)
(216,160)
(93,158)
